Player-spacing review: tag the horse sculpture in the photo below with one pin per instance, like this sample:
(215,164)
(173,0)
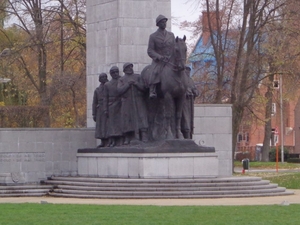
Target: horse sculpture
(171,93)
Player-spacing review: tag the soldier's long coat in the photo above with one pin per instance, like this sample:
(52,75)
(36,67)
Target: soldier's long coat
(113,104)
(188,107)
(133,110)
(98,108)
(161,43)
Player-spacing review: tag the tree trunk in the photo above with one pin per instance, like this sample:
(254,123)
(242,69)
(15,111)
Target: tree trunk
(268,126)
(237,115)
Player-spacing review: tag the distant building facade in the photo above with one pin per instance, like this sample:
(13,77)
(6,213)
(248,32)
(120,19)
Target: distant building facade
(251,132)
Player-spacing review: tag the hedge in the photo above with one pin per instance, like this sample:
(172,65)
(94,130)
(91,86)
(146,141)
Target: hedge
(23,116)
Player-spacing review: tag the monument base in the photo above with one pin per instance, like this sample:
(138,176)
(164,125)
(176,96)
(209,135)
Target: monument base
(166,159)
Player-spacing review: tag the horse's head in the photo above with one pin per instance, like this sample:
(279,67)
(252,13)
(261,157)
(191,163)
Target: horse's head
(180,52)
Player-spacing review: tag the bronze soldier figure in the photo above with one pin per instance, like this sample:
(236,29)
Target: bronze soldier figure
(160,48)
(133,110)
(99,111)
(187,120)
(113,104)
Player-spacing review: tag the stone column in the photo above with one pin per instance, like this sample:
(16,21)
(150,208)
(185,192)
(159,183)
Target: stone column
(118,32)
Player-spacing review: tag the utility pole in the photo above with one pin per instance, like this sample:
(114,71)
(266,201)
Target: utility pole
(281,119)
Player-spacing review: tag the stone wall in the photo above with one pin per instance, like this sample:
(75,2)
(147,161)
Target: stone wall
(30,155)
(213,127)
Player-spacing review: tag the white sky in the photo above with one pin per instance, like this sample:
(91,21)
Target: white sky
(182,10)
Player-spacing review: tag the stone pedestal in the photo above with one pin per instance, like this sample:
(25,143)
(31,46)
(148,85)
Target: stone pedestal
(167,159)
(213,127)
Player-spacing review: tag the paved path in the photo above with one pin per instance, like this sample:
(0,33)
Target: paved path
(289,199)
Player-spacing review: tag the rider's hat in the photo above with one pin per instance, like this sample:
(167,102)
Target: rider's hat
(159,18)
(126,64)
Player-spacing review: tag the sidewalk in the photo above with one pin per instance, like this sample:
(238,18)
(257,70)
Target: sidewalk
(277,200)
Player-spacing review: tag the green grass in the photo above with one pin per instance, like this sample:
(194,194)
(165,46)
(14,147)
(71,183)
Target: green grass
(287,180)
(59,214)
(290,180)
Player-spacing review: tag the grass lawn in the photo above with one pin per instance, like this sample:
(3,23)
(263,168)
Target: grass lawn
(287,180)
(59,214)
(290,180)
(269,165)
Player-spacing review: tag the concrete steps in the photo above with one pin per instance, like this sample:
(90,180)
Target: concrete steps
(24,190)
(85,187)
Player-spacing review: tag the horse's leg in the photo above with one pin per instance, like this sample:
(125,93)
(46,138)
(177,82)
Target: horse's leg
(168,101)
(179,102)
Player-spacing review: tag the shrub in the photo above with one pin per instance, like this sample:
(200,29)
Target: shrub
(272,154)
(23,116)
(239,156)
(293,160)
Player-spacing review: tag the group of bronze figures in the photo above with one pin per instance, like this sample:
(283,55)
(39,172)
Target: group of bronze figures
(135,106)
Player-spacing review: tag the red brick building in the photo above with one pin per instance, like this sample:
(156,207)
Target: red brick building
(252,130)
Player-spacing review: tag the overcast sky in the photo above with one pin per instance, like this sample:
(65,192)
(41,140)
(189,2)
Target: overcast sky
(184,10)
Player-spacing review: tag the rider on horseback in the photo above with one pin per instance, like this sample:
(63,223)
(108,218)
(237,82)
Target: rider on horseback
(160,48)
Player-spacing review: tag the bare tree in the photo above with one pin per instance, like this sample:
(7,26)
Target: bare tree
(281,55)
(236,35)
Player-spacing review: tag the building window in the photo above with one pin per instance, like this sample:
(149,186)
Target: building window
(246,137)
(276,84)
(240,137)
(243,137)
(276,139)
(273,110)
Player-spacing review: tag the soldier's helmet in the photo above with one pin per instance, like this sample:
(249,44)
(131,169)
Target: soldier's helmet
(159,18)
(127,64)
(102,75)
(113,68)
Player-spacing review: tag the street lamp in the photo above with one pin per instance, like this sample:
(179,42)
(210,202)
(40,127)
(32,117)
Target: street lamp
(4,53)
(3,80)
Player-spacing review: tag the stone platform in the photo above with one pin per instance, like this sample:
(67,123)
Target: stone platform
(166,159)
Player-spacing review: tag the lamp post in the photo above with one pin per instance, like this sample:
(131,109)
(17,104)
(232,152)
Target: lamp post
(2,80)
(4,53)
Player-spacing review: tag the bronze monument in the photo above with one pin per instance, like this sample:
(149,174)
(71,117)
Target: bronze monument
(154,106)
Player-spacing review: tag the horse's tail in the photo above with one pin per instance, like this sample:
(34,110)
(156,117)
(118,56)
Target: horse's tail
(145,74)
